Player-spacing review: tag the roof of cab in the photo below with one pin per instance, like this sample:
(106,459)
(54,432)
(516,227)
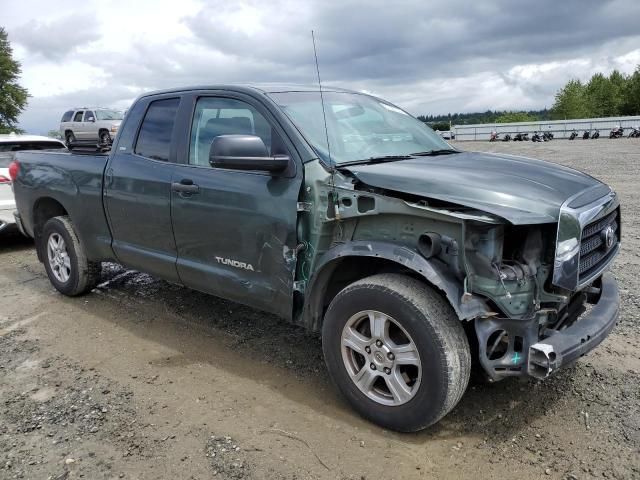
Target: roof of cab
(261,88)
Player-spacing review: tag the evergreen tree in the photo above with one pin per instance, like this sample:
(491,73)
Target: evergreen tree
(13,97)
(570,102)
(631,96)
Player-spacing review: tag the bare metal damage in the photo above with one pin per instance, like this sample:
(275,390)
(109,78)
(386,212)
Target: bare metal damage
(337,221)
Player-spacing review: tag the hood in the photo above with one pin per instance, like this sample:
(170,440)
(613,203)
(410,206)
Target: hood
(518,189)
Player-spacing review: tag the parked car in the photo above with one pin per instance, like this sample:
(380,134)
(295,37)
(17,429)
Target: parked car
(83,126)
(405,253)
(9,144)
(446,134)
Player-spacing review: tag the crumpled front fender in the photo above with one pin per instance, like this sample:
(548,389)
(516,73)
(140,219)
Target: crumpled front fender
(434,273)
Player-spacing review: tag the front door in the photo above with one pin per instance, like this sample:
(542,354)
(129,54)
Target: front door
(138,193)
(77,124)
(235,230)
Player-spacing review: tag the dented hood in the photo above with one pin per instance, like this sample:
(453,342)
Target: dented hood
(518,189)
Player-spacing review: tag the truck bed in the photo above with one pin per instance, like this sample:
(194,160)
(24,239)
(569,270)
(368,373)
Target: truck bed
(73,181)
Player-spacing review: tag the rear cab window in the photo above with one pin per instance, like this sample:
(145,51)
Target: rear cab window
(89,116)
(156,131)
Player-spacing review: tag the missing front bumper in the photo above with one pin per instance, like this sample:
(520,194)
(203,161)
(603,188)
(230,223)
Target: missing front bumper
(567,346)
(521,351)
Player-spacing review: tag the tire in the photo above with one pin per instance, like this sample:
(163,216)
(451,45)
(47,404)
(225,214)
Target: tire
(434,332)
(67,266)
(70,139)
(105,138)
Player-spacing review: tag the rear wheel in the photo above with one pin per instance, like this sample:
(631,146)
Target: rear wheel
(70,139)
(65,259)
(396,350)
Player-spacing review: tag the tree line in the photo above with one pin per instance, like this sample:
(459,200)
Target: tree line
(441,122)
(602,96)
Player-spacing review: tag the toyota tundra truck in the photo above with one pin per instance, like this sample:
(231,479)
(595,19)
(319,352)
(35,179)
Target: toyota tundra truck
(342,213)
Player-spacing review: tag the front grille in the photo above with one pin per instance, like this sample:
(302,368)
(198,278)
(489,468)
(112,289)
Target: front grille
(593,249)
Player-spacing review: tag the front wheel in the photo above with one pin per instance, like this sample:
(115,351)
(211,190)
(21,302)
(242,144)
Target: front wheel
(396,350)
(65,260)
(105,138)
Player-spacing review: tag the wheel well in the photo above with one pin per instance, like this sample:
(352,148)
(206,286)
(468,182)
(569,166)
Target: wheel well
(68,131)
(340,273)
(44,209)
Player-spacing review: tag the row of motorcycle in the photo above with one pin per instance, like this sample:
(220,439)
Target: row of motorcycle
(521,137)
(616,132)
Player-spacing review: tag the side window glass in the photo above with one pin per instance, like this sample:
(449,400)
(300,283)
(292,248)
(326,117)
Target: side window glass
(154,139)
(89,116)
(216,116)
(67,116)
(78,116)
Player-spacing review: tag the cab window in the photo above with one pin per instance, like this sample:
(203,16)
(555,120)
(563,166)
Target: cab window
(67,116)
(154,139)
(89,116)
(216,116)
(78,116)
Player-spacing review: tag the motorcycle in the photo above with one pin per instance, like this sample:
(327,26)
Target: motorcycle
(495,136)
(506,138)
(595,135)
(547,136)
(573,135)
(616,132)
(635,132)
(536,137)
(521,137)
(586,135)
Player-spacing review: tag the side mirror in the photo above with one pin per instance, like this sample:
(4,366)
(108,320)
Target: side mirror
(244,152)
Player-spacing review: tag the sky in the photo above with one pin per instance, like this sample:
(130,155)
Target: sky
(429,57)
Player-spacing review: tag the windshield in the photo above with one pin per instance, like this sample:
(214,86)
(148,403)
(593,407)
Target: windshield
(109,114)
(359,127)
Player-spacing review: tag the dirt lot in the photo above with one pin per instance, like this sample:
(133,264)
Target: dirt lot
(144,379)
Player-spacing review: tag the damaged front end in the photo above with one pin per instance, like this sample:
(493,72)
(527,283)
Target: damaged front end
(500,276)
(542,290)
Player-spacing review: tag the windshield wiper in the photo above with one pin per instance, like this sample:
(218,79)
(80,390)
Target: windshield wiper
(371,160)
(433,153)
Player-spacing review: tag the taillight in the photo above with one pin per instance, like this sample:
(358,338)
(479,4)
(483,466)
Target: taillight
(4,179)
(14,169)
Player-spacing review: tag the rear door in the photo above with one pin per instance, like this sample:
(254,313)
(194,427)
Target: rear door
(137,189)
(236,231)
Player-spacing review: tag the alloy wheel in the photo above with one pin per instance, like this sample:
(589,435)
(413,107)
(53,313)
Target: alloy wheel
(381,358)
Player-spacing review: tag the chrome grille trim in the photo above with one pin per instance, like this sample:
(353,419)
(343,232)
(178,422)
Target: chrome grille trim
(576,225)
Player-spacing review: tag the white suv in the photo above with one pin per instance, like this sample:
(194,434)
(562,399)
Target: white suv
(9,144)
(90,125)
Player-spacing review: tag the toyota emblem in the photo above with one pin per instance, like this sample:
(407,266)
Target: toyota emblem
(608,237)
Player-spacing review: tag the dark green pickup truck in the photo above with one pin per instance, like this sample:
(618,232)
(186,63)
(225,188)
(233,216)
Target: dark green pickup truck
(340,212)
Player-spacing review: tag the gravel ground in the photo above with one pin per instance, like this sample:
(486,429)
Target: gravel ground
(144,379)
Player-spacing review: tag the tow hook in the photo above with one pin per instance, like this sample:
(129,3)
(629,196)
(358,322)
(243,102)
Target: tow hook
(542,360)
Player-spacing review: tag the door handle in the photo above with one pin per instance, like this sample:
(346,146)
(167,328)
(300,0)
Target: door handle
(185,186)
(108,177)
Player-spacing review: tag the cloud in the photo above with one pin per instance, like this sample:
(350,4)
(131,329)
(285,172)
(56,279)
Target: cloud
(56,38)
(427,56)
